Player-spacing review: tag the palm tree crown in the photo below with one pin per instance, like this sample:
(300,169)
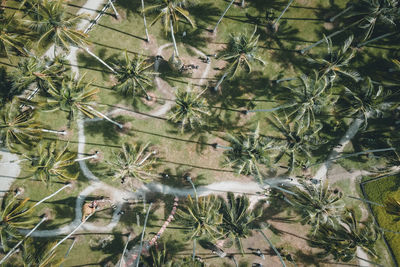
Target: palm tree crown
(336,62)
(9,38)
(134,161)
(342,240)
(132,74)
(18,127)
(50,20)
(247,152)
(52,161)
(190,109)
(241,52)
(317,204)
(201,216)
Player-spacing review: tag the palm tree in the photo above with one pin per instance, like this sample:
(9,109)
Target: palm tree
(38,254)
(72,96)
(366,14)
(247,152)
(342,240)
(9,37)
(201,217)
(305,100)
(14,214)
(392,206)
(145,23)
(240,53)
(18,127)
(49,19)
(295,142)
(36,71)
(366,100)
(190,109)
(336,62)
(51,161)
(317,204)
(133,161)
(238,220)
(171,12)
(274,25)
(134,73)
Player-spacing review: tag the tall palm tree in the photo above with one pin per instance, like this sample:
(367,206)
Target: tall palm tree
(134,161)
(366,100)
(336,62)
(10,39)
(247,152)
(317,204)
(73,96)
(14,214)
(238,220)
(134,73)
(241,53)
(365,14)
(37,254)
(190,109)
(50,20)
(295,142)
(171,11)
(343,240)
(52,161)
(224,13)
(201,217)
(18,127)
(37,72)
(145,23)
(307,99)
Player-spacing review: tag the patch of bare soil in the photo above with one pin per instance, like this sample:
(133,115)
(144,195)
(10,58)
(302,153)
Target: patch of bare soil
(328,25)
(151,46)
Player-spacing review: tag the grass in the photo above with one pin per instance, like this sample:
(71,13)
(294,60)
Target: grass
(378,191)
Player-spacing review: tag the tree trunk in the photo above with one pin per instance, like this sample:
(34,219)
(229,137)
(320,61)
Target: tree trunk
(101,115)
(222,16)
(220,81)
(376,39)
(302,51)
(141,238)
(113,7)
(94,156)
(69,235)
(146,157)
(242,4)
(53,131)
(194,249)
(52,195)
(145,23)
(283,12)
(100,60)
(123,251)
(173,37)
(189,179)
(273,247)
(340,13)
(69,250)
(20,242)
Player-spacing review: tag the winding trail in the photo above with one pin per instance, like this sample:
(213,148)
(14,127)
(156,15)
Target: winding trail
(9,170)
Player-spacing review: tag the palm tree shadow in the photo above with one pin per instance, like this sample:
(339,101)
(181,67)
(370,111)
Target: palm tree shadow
(105,128)
(176,177)
(132,8)
(86,61)
(204,13)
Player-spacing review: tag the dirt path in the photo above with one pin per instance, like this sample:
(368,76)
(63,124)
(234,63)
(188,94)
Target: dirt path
(9,170)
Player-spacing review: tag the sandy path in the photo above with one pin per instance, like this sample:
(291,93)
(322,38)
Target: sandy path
(9,170)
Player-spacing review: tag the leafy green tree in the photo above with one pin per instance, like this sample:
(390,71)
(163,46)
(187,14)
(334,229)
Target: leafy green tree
(295,141)
(38,72)
(190,109)
(201,217)
(52,161)
(18,127)
(336,61)
(341,241)
(170,12)
(50,20)
(241,53)
(133,74)
(15,214)
(247,152)
(317,204)
(238,219)
(134,161)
